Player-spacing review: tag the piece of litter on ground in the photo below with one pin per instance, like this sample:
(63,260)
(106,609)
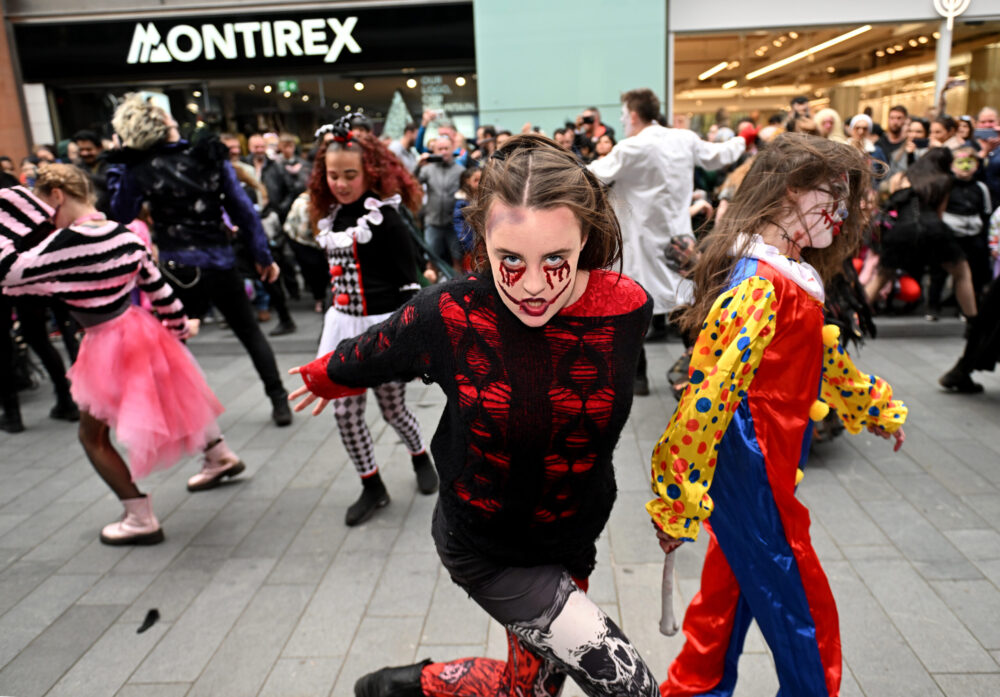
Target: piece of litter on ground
(151,617)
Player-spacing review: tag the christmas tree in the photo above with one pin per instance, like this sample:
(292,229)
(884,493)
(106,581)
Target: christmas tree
(397,117)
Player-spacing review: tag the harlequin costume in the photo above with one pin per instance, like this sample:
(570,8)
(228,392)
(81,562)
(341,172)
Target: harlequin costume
(524,451)
(373,270)
(760,362)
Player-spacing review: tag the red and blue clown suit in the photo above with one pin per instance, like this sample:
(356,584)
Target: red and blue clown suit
(761,359)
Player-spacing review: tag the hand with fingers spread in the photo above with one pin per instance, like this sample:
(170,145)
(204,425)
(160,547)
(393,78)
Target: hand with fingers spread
(307,396)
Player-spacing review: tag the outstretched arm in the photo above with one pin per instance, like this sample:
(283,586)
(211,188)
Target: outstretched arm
(394,350)
(862,401)
(738,328)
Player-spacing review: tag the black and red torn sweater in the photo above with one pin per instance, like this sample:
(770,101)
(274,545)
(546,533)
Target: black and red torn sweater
(524,445)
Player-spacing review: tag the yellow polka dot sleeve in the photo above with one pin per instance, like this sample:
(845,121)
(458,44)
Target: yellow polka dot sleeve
(738,328)
(860,400)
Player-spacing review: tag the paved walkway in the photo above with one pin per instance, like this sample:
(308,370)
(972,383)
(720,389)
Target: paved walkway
(262,590)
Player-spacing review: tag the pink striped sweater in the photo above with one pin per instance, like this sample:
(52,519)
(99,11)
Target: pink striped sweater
(92,267)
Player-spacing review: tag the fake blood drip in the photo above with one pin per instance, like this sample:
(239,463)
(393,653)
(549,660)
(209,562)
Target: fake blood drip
(834,225)
(510,277)
(558,272)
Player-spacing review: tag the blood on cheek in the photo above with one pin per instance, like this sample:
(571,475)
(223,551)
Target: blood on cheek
(509,276)
(559,273)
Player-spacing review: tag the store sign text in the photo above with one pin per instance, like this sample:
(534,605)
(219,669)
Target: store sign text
(279,38)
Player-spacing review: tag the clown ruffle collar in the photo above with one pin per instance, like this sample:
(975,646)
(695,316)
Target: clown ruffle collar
(361,231)
(800,272)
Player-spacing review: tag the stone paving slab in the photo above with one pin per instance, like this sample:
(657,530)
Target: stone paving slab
(262,590)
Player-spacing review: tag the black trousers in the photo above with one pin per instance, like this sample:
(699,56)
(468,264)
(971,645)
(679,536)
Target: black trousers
(315,268)
(32,316)
(223,288)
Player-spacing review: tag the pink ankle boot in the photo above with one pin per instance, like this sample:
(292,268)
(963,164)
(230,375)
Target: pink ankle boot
(220,462)
(137,527)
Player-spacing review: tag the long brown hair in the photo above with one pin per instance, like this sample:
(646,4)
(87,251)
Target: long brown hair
(791,162)
(384,174)
(532,171)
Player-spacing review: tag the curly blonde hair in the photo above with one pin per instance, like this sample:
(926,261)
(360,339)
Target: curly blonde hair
(139,123)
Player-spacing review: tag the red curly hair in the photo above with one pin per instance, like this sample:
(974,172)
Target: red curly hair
(384,174)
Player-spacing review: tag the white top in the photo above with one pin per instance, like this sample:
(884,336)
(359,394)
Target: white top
(652,174)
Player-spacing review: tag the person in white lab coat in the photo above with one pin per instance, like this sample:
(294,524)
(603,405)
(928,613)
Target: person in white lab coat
(652,172)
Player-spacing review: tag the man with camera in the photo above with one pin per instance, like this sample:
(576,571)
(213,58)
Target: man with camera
(440,174)
(590,125)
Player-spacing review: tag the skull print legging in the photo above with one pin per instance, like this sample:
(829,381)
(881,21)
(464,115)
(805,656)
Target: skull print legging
(553,630)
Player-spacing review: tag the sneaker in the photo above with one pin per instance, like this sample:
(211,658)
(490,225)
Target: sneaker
(283,328)
(931,317)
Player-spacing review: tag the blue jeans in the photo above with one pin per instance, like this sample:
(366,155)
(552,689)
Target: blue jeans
(444,242)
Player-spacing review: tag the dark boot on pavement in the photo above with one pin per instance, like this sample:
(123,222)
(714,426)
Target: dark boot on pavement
(427,479)
(65,408)
(373,496)
(402,681)
(284,327)
(281,413)
(10,421)
(959,380)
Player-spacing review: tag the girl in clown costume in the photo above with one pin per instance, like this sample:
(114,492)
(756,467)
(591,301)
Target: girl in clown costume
(763,366)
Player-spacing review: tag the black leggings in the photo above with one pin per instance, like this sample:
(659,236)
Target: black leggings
(32,316)
(223,288)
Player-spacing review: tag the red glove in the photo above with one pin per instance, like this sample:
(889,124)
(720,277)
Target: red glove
(748,133)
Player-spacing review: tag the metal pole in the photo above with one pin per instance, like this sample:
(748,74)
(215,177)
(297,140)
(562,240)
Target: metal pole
(668,110)
(943,63)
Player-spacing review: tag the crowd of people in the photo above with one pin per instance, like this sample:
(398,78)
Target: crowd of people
(522,274)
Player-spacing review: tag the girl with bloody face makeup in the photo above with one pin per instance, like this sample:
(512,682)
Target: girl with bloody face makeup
(536,353)
(761,358)
(356,189)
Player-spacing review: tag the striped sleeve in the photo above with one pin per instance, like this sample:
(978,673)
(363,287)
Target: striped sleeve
(24,222)
(166,304)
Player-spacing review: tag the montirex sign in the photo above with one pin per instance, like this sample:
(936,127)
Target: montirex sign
(234,40)
(199,47)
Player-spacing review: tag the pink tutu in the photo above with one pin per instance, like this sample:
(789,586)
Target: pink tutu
(135,376)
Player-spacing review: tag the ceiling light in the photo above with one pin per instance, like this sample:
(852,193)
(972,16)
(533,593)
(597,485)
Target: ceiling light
(251,87)
(286,94)
(713,70)
(347,107)
(729,85)
(305,98)
(922,39)
(880,53)
(912,42)
(733,65)
(359,86)
(335,105)
(809,51)
(267,89)
(361,110)
(890,50)
(793,35)
(192,107)
(460,81)
(776,43)
(898,47)
(411,83)
(936,35)
(196,94)
(830,69)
